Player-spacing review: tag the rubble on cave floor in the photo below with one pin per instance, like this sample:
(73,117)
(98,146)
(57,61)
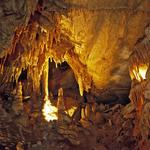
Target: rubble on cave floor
(92,127)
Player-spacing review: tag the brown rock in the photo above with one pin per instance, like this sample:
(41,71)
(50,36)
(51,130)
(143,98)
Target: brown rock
(99,118)
(94,107)
(77,114)
(69,133)
(99,147)
(127,110)
(92,116)
(125,148)
(85,123)
(101,107)
(18,103)
(19,146)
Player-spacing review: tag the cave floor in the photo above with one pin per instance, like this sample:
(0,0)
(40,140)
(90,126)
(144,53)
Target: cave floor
(113,130)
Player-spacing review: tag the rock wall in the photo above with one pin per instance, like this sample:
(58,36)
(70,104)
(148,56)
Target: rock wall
(14,14)
(95,38)
(104,33)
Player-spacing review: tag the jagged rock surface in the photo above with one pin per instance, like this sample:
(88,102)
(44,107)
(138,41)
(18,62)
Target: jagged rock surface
(94,37)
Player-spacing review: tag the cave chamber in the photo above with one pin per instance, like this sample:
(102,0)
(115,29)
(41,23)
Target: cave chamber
(74,74)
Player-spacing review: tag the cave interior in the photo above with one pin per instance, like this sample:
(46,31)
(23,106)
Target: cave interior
(74,75)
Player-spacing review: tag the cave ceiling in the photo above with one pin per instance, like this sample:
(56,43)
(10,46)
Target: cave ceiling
(96,39)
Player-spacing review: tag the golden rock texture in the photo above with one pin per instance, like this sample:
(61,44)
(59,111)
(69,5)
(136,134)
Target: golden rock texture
(95,38)
(14,14)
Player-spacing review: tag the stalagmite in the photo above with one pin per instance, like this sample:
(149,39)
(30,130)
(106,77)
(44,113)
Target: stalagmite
(62,113)
(60,102)
(18,103)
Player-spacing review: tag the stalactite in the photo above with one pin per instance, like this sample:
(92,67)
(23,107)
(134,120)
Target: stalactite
(83,78)
(80,86)
(141,53)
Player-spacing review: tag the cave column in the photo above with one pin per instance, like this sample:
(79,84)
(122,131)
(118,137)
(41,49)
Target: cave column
(45,80)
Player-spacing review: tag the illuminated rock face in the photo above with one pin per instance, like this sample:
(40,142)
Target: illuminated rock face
(104,33)
(95,38)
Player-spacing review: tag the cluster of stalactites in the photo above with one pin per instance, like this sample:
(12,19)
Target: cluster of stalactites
(31,48)
(138,68)
(140,58)
(139,72)
(33,45)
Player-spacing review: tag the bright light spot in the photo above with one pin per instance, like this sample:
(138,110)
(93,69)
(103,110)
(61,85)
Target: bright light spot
(139,72)
(142,71)
(49,111)
(71,111)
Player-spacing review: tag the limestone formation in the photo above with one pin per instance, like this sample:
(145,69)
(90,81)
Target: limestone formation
(18,102)
(104,43)
(99,36)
